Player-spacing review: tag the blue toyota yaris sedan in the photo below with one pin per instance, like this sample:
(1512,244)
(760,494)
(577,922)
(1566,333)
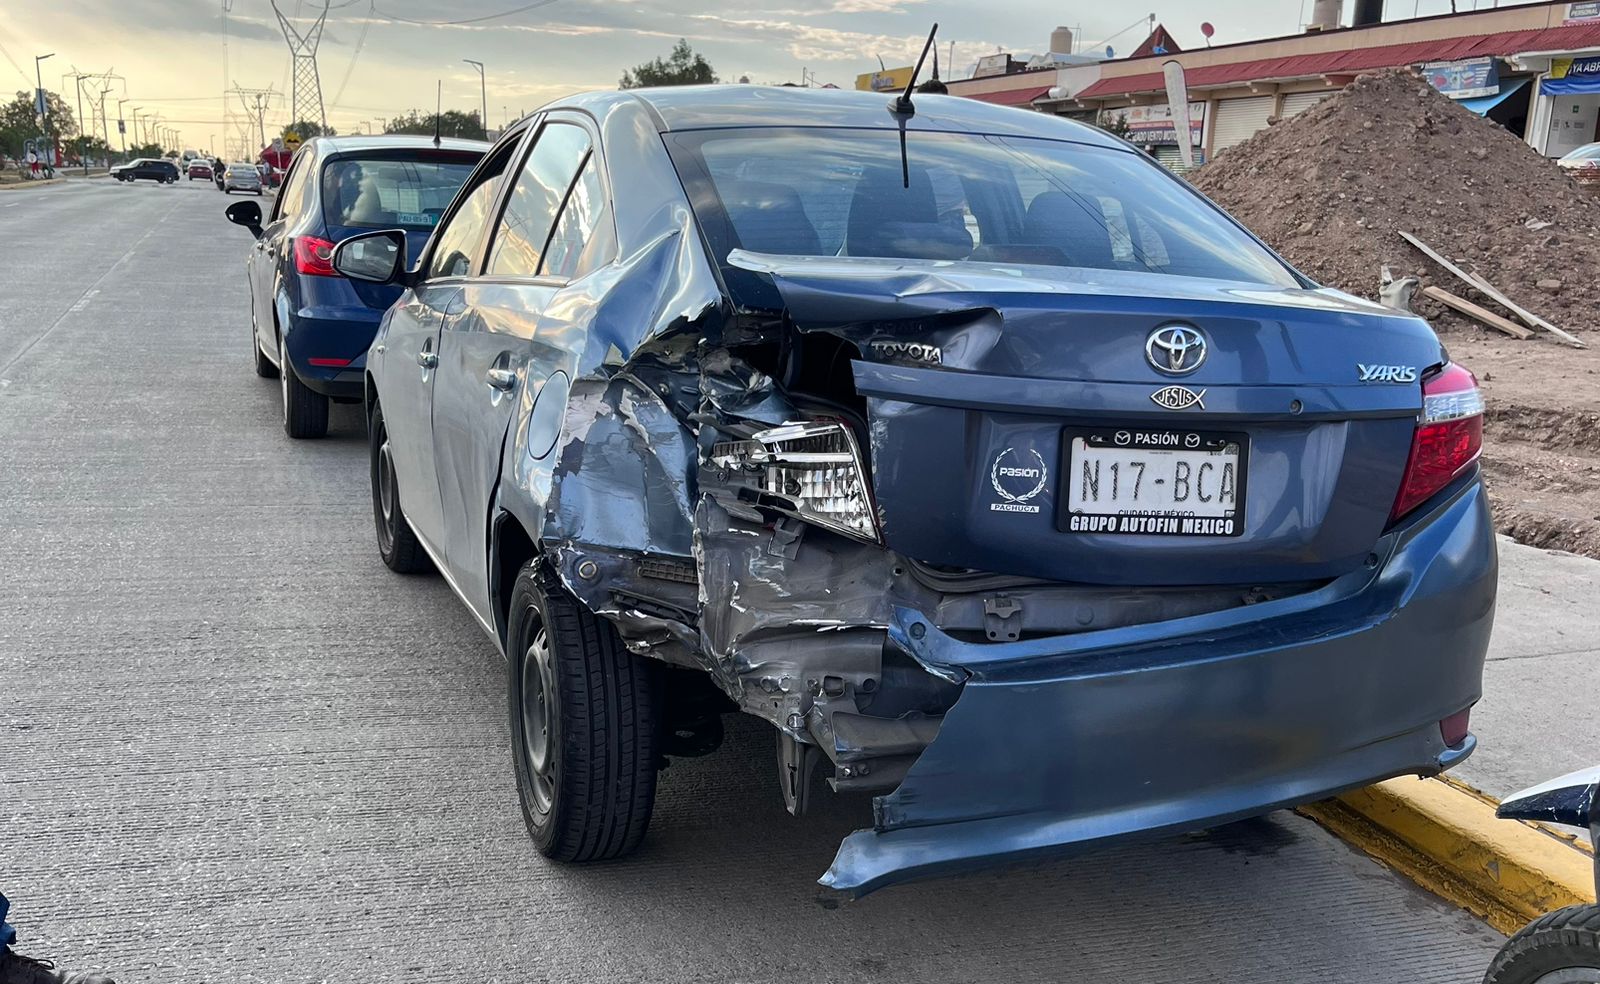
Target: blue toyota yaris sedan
(1001,473)
(310,326)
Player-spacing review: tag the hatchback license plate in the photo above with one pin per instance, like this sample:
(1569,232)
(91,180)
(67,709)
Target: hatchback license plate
(1154,481)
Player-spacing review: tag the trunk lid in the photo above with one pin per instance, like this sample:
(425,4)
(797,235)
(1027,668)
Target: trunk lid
(1000,397)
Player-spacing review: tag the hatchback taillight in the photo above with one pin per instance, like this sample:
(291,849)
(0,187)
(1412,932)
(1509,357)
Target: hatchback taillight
(314,256)
(1449,436)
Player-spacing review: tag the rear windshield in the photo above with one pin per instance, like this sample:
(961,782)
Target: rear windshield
(989,199)
(387,192)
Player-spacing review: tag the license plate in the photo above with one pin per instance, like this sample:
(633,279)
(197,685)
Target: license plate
(1154,481)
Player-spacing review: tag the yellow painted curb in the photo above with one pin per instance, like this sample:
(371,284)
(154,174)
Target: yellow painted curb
(1445,837)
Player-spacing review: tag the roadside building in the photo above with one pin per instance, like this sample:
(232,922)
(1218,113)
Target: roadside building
(1534,69)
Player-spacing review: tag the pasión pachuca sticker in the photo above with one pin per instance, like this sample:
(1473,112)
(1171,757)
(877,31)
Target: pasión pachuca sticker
(1018,477)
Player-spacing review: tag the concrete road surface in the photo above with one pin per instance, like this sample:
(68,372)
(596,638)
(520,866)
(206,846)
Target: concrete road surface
(235,748)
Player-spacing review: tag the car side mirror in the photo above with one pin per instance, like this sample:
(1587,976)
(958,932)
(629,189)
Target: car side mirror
(247,214)
(376,257)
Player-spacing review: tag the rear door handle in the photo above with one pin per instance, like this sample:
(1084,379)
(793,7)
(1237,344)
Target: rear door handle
(501,379)
(427,358)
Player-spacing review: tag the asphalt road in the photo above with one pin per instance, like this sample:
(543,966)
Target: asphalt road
(234,747)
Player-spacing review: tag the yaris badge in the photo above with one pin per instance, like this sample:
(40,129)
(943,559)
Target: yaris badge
(1178,398)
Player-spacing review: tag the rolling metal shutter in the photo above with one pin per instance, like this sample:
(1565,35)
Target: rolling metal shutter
(1238,119)
(1298,102)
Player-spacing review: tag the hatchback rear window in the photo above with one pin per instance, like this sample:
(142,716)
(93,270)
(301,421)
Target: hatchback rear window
(387,192)
(971,197)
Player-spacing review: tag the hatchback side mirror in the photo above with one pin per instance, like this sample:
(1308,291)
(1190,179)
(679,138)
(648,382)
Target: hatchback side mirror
(247,214)
(376,257)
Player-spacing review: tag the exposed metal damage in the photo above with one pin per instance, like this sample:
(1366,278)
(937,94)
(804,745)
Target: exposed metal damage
(751,545)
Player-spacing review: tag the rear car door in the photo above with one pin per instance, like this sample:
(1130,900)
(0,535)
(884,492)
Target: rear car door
(409,359)
(272,250)
(485,347)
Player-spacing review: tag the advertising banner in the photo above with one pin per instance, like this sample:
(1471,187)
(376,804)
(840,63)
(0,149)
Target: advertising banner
(1467,79)
(1154,124)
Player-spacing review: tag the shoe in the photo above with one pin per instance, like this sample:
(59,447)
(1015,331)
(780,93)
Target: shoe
(17,969)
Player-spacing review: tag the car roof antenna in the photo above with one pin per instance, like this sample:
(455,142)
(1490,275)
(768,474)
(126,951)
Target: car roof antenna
(903,110)
(438,105)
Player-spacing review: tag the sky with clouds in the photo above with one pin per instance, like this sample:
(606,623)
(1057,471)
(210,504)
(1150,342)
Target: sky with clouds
(376,63)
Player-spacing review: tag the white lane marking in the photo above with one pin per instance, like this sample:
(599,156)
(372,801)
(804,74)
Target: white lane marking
(91,289)
(83,301)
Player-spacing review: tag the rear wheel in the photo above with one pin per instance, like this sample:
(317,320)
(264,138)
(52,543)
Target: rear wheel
(1562,947)
(397,544)
(305,411)
(584,715)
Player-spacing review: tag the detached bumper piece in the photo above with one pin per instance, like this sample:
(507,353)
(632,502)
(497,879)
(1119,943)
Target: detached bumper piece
(1057,744)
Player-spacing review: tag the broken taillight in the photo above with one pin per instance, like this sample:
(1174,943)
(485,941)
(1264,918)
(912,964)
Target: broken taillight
(1448,438)
(814,467)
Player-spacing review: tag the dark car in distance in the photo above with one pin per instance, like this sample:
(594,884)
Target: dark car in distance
(310,325)
(199,168)
(147,169)
(1000,472)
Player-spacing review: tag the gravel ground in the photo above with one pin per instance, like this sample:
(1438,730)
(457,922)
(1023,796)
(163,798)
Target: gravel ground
(233,747)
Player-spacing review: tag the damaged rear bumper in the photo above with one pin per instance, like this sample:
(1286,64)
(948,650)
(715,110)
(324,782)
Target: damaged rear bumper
(1059,743)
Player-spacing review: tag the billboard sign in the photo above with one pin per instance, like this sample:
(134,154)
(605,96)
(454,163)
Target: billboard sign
(1467,79)
(891,80)
(1154,124)
(992,65)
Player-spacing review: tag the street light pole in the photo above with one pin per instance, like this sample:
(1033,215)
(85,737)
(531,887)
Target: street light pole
(44,107)
(483,85)
(105,128)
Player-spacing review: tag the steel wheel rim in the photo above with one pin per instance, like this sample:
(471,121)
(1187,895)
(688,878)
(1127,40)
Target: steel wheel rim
(538,714)
(386,481)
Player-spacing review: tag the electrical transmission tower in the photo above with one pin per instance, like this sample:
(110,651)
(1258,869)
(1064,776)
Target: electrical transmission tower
(305,95)
(255,102)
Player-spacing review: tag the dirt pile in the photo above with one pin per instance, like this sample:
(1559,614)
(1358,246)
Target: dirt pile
(1330,188)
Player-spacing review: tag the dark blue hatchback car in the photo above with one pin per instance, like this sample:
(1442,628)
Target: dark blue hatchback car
(310,325)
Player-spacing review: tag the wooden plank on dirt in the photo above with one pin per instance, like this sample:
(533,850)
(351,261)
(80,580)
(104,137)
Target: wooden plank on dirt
(1525,315)
(1480,284)
(1472,310)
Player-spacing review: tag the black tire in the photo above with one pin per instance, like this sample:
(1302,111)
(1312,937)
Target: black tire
(397,543)
(587,778)
(264,367)
(305,411)
(1566,939)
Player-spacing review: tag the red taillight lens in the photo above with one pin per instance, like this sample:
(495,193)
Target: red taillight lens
(314,256)
(1448,440)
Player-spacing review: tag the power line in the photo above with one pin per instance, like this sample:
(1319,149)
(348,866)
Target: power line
(366,24)
(469,20)
(14,65)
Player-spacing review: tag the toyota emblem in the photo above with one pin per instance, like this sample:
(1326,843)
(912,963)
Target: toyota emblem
(1176,350)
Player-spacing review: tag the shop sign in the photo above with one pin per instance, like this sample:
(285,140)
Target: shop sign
(1153,124)
(1582,13)
(1466,79)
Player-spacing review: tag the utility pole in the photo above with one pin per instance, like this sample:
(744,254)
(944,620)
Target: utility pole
(255,102)
(77,78)
(305,96)
(44,108)
(122,130)
(483,86)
